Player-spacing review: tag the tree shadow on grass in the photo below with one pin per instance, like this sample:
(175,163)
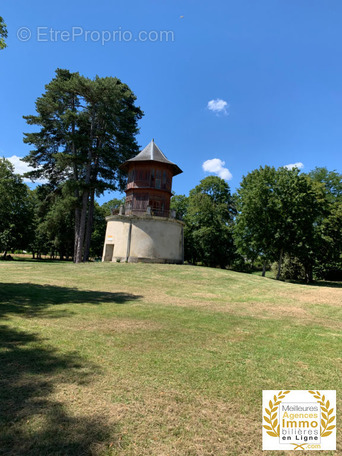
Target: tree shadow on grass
(326,283)
(32,423)
(31,299)
(318,283)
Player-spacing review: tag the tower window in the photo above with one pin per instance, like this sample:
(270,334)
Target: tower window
(164,180)
(158,178)
(152,178)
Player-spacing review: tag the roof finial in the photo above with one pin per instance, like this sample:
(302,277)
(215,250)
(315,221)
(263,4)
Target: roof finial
(152,139)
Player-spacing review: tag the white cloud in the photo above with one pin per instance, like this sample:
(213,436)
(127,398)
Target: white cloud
(21,167)
(216,166)
(218,106)
(298,165)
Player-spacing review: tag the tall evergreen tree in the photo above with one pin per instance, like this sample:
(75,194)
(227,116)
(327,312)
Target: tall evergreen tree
(87,129)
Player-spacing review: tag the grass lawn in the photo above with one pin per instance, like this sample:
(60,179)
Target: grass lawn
(140,359)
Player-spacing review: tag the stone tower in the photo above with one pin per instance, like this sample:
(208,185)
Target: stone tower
(145,229)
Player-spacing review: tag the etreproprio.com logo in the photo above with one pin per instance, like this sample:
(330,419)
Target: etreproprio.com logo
(46,34)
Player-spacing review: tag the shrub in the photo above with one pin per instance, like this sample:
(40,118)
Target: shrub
(291,269)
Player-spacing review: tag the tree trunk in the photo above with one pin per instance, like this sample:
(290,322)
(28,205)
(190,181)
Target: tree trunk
(279,264)
(308,273)
(264,269)
(77,228)
(85,198)
(81,231)
(90,222)
(76,192)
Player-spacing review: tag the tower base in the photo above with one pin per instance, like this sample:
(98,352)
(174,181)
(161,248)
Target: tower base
(145,238)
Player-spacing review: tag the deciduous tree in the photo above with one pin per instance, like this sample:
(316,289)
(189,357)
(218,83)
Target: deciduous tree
(209,218)
(257,219)
(16,211)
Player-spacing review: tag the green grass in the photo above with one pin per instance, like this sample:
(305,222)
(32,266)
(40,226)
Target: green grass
(134,359)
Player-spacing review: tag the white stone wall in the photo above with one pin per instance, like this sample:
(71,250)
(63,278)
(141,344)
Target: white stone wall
(144,238)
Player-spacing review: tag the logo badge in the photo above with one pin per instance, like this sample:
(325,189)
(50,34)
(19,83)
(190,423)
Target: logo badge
(299,420)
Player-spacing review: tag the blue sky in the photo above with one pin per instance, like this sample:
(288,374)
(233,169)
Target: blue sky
(277,64)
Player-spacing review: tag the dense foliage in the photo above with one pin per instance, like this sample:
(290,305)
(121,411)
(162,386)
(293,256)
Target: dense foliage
(208,223)
(3,34)
(15,210)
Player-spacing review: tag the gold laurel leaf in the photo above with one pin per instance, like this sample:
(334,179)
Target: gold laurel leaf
(275,398)
(324,416)
(330,411)
(311,392)
(275,423)
(274,417)
(324,410)
(272,434)
(270,404)
(267,427)
(328,404)
(324,424)
(323,398)
(330,427)
(280,393)
(268,412)
(278,428)
(274,409)
(286,392)
(331,419)
(281,397)
(322,403)
(277,403)
(326,434)
(267,420)
(317,397)
(317,392)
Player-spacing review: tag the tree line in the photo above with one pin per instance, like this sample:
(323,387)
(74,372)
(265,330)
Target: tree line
(278,217)
(85,128)
(42,221)
(282,218)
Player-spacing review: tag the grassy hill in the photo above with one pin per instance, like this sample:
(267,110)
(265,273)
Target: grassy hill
(134,359)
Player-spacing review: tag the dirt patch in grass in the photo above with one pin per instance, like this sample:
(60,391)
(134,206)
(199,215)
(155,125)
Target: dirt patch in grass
(330,296)
(108,325)
(299,304)
(169,423)
(121,325)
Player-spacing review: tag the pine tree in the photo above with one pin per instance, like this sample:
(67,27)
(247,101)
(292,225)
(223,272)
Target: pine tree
(87,129)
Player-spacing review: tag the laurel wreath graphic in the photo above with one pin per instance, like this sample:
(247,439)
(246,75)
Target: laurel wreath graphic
(272,428)
(326,418)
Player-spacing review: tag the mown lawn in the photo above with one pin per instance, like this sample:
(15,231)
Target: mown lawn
(134,359)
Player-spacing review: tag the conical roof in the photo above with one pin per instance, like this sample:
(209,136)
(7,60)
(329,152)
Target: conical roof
(152,153)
